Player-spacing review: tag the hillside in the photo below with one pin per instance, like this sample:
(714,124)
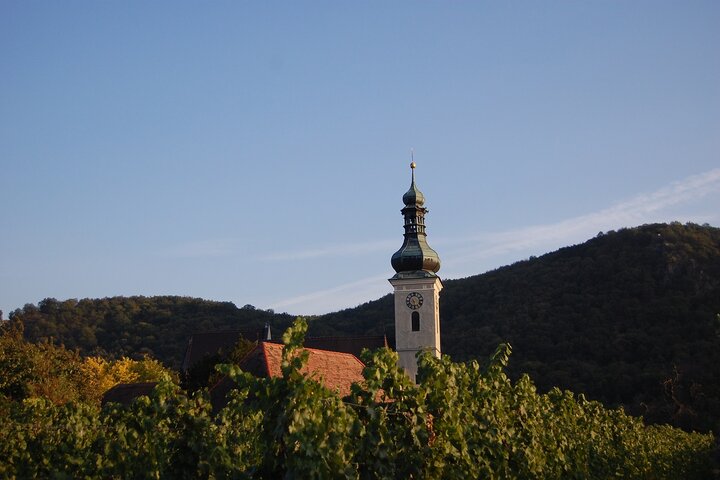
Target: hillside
(137,326)
(628,317)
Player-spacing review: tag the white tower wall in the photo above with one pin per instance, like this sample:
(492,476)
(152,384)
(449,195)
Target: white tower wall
(408,342)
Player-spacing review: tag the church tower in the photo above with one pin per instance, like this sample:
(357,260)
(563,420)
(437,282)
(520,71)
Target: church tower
(417,287)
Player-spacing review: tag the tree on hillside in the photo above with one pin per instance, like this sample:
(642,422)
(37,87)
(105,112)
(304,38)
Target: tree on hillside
(44,370)
(49,371)
(136,327)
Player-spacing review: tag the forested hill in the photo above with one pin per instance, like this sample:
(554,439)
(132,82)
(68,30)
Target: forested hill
(137,326)
(628,317)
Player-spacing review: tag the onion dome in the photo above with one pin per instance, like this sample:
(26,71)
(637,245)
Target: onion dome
(415,258)
(413,196)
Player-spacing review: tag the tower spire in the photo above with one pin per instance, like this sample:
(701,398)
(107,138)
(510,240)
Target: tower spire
(415,257)
(412,164)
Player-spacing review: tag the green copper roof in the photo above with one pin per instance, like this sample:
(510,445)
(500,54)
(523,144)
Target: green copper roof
(415,257)
(413,197)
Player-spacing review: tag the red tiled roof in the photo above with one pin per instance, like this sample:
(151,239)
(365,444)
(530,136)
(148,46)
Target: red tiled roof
(337,371)
(353,345)
(201,345)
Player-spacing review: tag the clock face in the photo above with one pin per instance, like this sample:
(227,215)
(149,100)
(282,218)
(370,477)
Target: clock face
(414,300)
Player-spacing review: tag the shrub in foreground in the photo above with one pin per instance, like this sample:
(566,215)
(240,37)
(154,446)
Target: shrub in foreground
(460,421)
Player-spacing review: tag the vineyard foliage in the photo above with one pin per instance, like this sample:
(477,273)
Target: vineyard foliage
(459,421)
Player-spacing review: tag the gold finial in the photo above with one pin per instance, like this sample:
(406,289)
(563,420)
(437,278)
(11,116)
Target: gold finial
(412,158)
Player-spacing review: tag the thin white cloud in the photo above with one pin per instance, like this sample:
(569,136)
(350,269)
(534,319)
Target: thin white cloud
(335,298)
(469,252)
(643,208)
(634,211)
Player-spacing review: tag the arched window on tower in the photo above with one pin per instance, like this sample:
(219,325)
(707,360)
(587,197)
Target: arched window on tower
(415,322)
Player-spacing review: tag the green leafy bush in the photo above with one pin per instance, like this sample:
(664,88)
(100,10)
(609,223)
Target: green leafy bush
(459,421)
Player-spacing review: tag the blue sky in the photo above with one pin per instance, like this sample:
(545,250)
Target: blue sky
(257,152)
